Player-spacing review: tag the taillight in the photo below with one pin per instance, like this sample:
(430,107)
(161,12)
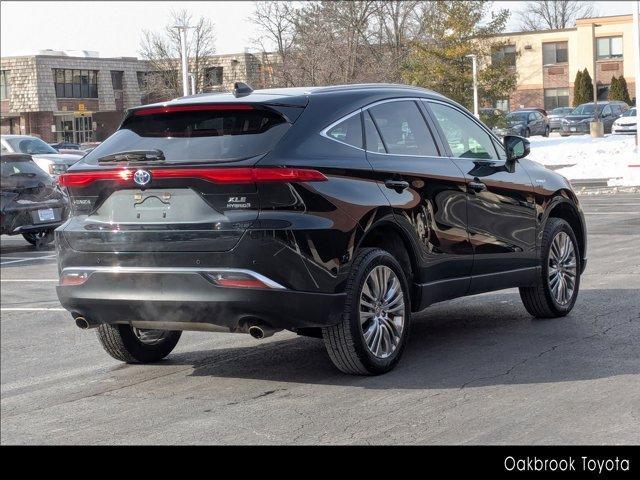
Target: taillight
(72,279)
(190,108)
(215,175)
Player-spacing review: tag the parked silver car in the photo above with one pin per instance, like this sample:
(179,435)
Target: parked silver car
(556,116)
(45,156)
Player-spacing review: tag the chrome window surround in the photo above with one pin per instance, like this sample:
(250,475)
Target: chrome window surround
(325,132)
(179,270)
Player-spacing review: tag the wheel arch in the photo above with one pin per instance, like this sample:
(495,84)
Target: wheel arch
(390,236)
(564,206)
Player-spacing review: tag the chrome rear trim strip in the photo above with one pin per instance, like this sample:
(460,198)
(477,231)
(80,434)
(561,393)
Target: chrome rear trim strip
(180,270)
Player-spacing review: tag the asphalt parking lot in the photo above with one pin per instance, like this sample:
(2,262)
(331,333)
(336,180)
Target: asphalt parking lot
(477,370)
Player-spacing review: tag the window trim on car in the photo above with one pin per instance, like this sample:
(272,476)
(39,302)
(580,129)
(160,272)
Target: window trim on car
(477,122)
(361,110)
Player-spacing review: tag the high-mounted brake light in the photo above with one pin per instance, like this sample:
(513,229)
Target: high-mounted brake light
(190,108)
(215,175)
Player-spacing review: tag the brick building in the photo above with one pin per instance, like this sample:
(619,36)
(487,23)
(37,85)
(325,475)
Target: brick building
(547,61)
(80,97)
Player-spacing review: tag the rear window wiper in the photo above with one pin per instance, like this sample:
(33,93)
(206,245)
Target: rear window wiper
(134,156)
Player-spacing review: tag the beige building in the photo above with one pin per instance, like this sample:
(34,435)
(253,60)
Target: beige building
(547,61)
(79,96)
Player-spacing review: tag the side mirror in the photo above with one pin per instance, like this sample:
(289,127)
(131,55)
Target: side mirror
(516,147)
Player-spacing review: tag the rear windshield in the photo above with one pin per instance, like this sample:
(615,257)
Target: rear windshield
(30,145)
(206,133)
(20,168)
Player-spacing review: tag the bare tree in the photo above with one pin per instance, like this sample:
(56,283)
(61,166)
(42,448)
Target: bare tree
(553,14)
(329,42)
(275,22)
(162,51)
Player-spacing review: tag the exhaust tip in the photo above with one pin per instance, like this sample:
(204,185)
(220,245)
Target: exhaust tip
(256,332)
(82,323)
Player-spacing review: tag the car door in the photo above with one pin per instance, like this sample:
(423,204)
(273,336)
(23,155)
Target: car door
(501,203)
(534,123)
(426,191)
(607,118)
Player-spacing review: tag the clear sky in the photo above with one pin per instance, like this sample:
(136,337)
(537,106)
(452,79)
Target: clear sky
(114,28)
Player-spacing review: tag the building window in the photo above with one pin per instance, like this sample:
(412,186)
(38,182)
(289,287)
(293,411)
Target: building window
(505,55)
(502,104)
(116,79)
(555,97)
(603,92)
(213,76)
(5,89)
(555,52)
(75,83)
(609,47)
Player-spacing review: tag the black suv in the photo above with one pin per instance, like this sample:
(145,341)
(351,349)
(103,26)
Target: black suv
(334,212)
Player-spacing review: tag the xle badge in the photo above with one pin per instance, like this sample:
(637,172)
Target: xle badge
(238,202)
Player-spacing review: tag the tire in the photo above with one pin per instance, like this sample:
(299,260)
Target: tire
(541,300)
(122,343)
(527,133)
(39,239)
(345,342)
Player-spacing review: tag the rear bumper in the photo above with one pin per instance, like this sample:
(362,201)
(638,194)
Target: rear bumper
(187,299)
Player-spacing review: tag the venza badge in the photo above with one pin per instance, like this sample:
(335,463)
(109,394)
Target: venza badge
(142,177)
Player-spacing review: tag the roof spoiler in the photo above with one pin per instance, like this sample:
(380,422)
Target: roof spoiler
(241,89)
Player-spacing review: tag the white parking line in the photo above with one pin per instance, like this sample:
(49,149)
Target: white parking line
(29,309)
(27,259)
(28,280)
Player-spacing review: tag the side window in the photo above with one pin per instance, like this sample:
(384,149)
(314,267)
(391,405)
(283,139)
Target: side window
(372,138)
(348,131)
(606,111)
(465,137)
(502,155)
(532,117)
(403,128)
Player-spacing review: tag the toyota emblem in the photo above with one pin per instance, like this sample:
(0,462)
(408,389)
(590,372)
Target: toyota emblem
(142,177)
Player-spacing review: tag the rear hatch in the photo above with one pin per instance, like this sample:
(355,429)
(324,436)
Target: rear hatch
(174,178)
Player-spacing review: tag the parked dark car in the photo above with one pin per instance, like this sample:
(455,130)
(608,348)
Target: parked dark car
(577,123)
(31,203)
(334,212)
(525,123)
(556,116)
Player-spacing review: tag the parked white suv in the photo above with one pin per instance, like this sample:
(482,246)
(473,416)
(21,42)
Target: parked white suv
(45,156)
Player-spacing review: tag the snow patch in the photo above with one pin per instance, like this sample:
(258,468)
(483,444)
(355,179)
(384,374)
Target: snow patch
(583,157)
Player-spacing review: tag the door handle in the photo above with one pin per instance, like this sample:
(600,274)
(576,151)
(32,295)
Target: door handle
(397,185)
(477,186)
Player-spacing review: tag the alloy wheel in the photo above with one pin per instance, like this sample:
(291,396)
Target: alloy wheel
(382,311)
(562,268)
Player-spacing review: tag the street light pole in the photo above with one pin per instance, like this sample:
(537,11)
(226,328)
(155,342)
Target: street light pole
(474,62)
(185,61)
(636,43)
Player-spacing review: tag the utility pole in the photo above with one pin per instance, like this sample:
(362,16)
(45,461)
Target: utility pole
(596,128)
(636,43)
(185,61)
(474,62)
